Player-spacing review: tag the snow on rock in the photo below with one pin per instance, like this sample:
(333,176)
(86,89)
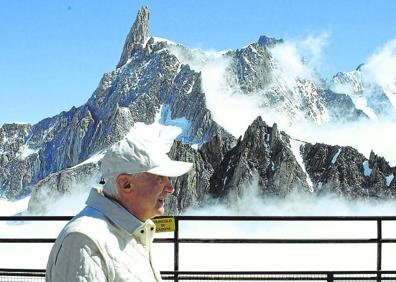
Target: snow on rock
(389,179)
(181,123)
(295,147)
(195,146)
(333,161)
(367,170)
(93,159)
(361,104)
(25,151)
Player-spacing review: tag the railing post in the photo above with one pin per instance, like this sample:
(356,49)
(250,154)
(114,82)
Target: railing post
(379,248)
(330,277)
(176,250)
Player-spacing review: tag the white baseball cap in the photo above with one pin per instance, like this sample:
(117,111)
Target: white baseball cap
(131,155)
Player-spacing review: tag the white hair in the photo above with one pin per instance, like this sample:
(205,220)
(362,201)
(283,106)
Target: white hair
(110,188)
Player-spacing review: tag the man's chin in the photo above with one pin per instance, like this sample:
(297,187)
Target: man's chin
(160,210)
(160,206)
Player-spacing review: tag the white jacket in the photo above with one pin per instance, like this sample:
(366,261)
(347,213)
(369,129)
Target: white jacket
(104,242)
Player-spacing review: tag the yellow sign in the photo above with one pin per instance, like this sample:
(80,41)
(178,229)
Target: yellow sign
(164,224)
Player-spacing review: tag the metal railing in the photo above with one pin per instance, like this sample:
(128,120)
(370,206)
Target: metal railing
(177,275)
(29,275)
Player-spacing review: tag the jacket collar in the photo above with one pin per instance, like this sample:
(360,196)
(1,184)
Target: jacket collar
(113,211)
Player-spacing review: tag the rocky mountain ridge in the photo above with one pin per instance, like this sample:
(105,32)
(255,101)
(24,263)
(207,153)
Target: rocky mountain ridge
(49,158)
(265,155)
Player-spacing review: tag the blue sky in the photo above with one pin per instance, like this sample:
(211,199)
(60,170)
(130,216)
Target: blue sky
(53,53)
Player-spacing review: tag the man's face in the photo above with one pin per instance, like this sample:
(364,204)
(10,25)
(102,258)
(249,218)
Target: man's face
(148,195)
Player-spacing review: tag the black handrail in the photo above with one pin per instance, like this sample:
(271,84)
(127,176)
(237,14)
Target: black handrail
(329,276)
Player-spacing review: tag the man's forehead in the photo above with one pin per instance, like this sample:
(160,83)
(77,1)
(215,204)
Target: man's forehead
(149,175)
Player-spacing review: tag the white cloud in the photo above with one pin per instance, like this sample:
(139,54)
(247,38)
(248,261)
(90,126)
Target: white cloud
(380,69)
(381,66)
(312,47)
(229,106)
(299,59)
(289,62)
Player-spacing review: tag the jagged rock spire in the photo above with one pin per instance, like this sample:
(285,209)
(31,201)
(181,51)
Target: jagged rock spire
(137,35)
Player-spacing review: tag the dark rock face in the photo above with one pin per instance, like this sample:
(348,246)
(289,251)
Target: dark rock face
(191,190)
(263,152)
(191,105)
(15,156)
(381,182)
(252,67)
(269,41)
(224,166)
(346,172)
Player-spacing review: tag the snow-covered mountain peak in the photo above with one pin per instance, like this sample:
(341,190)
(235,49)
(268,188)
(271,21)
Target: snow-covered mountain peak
(374,100)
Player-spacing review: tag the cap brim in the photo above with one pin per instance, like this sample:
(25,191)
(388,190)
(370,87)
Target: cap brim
(171,168)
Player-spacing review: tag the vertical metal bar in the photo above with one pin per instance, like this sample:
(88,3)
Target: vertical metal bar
(379,248)
(176,250)
(330,277)
(379,244)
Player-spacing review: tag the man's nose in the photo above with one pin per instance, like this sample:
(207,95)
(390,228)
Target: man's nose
(168,185)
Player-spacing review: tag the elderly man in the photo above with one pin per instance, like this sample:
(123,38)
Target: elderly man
(110,239)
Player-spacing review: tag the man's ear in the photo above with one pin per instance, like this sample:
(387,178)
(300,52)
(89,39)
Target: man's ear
(123,183)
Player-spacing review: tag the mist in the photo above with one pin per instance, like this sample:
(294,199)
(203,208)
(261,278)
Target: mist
(273,257)
(380,70)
